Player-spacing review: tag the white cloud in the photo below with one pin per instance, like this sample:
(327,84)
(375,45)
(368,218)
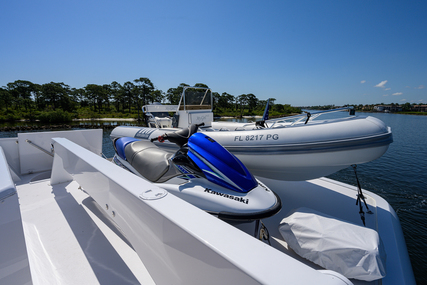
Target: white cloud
(381,84)
(363,81)
(397,93)
(420,87)
(403,100)
(387,89)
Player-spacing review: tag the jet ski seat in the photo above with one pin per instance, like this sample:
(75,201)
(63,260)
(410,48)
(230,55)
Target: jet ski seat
(148,159)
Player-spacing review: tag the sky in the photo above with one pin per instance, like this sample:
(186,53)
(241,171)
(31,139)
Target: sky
(303,53)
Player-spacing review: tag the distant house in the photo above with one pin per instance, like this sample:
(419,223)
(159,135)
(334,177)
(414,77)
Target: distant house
(387,108)
(419,108)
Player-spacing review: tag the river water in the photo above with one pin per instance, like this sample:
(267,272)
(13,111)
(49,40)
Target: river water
(399,176)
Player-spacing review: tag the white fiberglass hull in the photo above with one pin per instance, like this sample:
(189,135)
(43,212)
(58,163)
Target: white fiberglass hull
(224,203)
(293,153)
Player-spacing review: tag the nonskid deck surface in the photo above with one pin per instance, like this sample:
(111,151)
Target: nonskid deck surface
(71,241)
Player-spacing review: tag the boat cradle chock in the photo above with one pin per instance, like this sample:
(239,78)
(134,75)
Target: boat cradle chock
(262,232)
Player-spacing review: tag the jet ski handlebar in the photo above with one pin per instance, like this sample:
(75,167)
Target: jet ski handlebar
(179,137)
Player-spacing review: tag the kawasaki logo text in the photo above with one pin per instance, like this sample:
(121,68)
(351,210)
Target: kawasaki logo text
(239,199)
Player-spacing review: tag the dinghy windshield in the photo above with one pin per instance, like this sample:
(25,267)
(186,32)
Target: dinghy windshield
(194,107)
(196,98)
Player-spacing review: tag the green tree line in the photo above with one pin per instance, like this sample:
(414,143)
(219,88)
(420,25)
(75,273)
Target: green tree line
(57,101)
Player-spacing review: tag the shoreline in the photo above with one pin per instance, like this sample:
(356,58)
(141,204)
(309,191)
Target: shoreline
(106,119)
(216,117)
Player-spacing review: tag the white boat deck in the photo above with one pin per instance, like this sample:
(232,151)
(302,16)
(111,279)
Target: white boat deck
(71,240)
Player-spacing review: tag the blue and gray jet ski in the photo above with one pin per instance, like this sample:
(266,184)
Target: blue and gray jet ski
(201,172)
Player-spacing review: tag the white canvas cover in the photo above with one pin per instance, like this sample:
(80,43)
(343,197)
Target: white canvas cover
(349,249)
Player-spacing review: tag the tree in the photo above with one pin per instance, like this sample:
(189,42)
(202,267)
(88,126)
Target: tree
(243,101)
(201,85)
(230,99)
(406,107)
(38,97)
(95,95)
(129,93)
(278,108)
(78,96)
(252,101)
(5,98)
(117,94)
(156,96)
(56,95)
(25,97)
(22,92)
(107,94)
(174,94)
(215,99)
(261,104)
(143,88)
(225,101)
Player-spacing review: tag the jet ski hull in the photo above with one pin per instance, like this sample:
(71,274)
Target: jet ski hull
(255,204)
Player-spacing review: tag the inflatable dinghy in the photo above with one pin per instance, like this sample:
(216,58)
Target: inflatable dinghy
(293,148)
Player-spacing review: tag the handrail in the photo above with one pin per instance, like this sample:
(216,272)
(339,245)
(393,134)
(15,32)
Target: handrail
(307,116)
(40,148)
(159,108)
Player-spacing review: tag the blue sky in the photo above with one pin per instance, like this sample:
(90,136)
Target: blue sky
(302,53)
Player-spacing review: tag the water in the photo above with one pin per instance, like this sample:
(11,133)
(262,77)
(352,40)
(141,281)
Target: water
(399,176)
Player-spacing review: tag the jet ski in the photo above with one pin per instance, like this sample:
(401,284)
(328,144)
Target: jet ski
(201,172)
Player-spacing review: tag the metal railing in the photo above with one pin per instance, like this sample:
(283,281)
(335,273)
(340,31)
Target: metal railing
(307,116)
(40,148)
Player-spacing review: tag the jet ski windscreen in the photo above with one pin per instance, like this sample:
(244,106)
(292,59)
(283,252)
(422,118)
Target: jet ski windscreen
(219,165)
